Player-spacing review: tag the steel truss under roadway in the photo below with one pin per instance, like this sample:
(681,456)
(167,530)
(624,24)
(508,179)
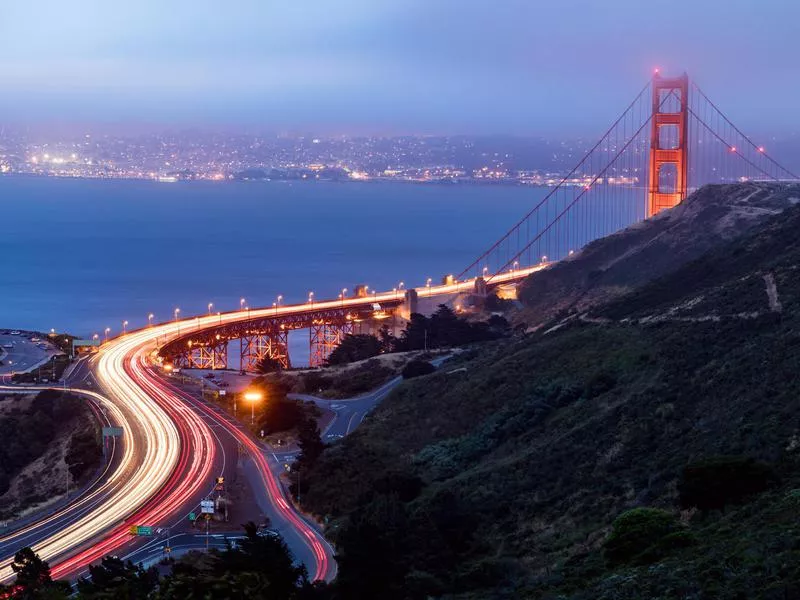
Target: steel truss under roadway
(267,336)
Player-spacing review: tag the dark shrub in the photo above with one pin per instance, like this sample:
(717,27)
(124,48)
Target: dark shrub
(714,483)
(417,368)
(636,531)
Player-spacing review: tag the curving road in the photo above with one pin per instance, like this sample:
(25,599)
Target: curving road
(171,454)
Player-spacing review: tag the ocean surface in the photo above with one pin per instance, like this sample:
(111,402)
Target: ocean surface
(81,255)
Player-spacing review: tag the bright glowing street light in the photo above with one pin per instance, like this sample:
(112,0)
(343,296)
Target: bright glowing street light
(428,285)
(210,306)
(241,303)
(253,396)
(311,298)
(485,271)
(95,337)
(150,319)
(107,331)
(124,325)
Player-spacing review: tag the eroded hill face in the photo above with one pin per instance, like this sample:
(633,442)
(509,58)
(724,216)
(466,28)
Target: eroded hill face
(613,266)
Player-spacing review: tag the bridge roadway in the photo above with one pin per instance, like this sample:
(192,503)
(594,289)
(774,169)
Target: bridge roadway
(211,334)
(171,455)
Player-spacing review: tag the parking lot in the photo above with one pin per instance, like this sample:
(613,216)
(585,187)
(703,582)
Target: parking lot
(21,353)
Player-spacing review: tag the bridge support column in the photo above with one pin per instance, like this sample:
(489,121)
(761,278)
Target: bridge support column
(208,357)
(257,346)
(324,337)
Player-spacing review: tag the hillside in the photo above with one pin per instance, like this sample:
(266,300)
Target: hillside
(505,480)
(42,434)
(612,266)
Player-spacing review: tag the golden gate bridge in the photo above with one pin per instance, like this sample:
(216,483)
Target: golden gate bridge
(670,140)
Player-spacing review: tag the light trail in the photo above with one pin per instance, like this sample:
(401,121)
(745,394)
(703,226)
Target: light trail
(170,451)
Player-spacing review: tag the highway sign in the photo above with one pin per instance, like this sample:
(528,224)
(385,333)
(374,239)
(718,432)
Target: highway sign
(192,516)
(140,530)
(222,392)
(207,507)
(112,431)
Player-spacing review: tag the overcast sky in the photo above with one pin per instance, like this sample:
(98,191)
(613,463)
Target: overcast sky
(391,66)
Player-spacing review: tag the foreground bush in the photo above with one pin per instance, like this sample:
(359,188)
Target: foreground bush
(641,534)
(417,368)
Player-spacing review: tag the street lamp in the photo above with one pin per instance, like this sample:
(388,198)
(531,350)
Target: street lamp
(428,285)
(344,293)
(108,329)
(210,306)
(177,312)
(253,396)
(124,325)
(544,259)
(150,319)
(311,298)
(275,306)
(241,303)
(485,271)
(95,337)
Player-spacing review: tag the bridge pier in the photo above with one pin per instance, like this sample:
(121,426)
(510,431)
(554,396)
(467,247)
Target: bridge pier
(211,356)
(253,347)
(324,337)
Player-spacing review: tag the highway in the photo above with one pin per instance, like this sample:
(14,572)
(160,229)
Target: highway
(171,455)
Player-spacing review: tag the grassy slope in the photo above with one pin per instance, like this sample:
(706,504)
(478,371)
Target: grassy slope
(543,442)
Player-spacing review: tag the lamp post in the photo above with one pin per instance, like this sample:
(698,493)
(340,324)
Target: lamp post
(311,298)
(253,396)
(344,293)
(107,331)
(176,313)
(241,303)
(210,306)
(428,285)
(150,319)
(124,325)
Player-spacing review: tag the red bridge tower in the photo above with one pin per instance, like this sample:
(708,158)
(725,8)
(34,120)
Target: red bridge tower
(668,143)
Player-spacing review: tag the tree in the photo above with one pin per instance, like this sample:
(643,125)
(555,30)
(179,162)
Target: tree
(354,348)
(310,442)
(268,364)
(33,577)
(115,578)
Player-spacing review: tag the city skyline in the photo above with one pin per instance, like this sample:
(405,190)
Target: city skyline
(360,68)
